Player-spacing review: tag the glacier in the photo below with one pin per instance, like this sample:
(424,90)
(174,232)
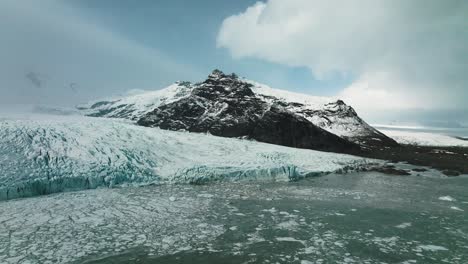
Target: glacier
(42,154)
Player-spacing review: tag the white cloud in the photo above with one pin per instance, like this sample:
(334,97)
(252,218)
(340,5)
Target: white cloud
(373,92)
(405,54)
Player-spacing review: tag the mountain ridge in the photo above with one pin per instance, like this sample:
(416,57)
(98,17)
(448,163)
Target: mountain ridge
(210,106)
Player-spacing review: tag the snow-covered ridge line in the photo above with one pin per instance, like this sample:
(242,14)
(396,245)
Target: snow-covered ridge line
(136,104)
(142,102)
(46,154)
(330,114)
(313,102)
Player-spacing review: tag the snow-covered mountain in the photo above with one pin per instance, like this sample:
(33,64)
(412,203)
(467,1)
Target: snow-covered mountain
(224,105)
(227,105)
(136,105)
(41,154)
(333,115)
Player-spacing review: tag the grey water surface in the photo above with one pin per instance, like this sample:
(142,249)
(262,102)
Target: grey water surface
(355,218)
(339,218)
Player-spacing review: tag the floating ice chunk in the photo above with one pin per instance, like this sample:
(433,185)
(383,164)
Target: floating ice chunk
(205,195)
(403,225)
(290,239)
(432,248)
(409,261)
(290,225)
(272,210)
(447,198)
(456,208)
(255,238)
(310,250)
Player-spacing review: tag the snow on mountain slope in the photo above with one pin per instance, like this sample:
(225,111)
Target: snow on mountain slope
(224,105)
(424,138)
(313,102)
(327,113)
(136,105)
(46,154)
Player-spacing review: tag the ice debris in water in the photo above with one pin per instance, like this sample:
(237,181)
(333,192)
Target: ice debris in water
(456,208)
(403,225)
(432,248)
(447,198)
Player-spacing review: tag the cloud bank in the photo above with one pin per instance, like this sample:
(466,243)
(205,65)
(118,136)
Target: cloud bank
(404,54)
(51,53)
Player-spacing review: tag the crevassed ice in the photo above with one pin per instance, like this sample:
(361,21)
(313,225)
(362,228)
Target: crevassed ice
(47,154)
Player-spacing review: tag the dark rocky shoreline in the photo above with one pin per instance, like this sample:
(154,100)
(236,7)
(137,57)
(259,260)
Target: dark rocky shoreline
(451,161)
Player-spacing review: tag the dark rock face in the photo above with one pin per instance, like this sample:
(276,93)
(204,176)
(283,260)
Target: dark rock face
(224,105)
(278,126)
(451,173)
(340,116)
(390,170)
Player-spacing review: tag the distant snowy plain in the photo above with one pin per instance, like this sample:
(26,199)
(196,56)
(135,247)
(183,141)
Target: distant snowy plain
(423,137)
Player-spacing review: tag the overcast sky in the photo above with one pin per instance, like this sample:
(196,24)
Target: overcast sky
(390,59)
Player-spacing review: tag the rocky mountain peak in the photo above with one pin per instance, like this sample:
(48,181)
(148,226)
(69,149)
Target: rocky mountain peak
(219,75)
(184,84)
(225,85)
(340,107)
(229,106)
(216,74)
(340,102)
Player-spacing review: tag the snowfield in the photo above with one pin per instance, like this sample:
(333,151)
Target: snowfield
(424,138)
(41,154)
